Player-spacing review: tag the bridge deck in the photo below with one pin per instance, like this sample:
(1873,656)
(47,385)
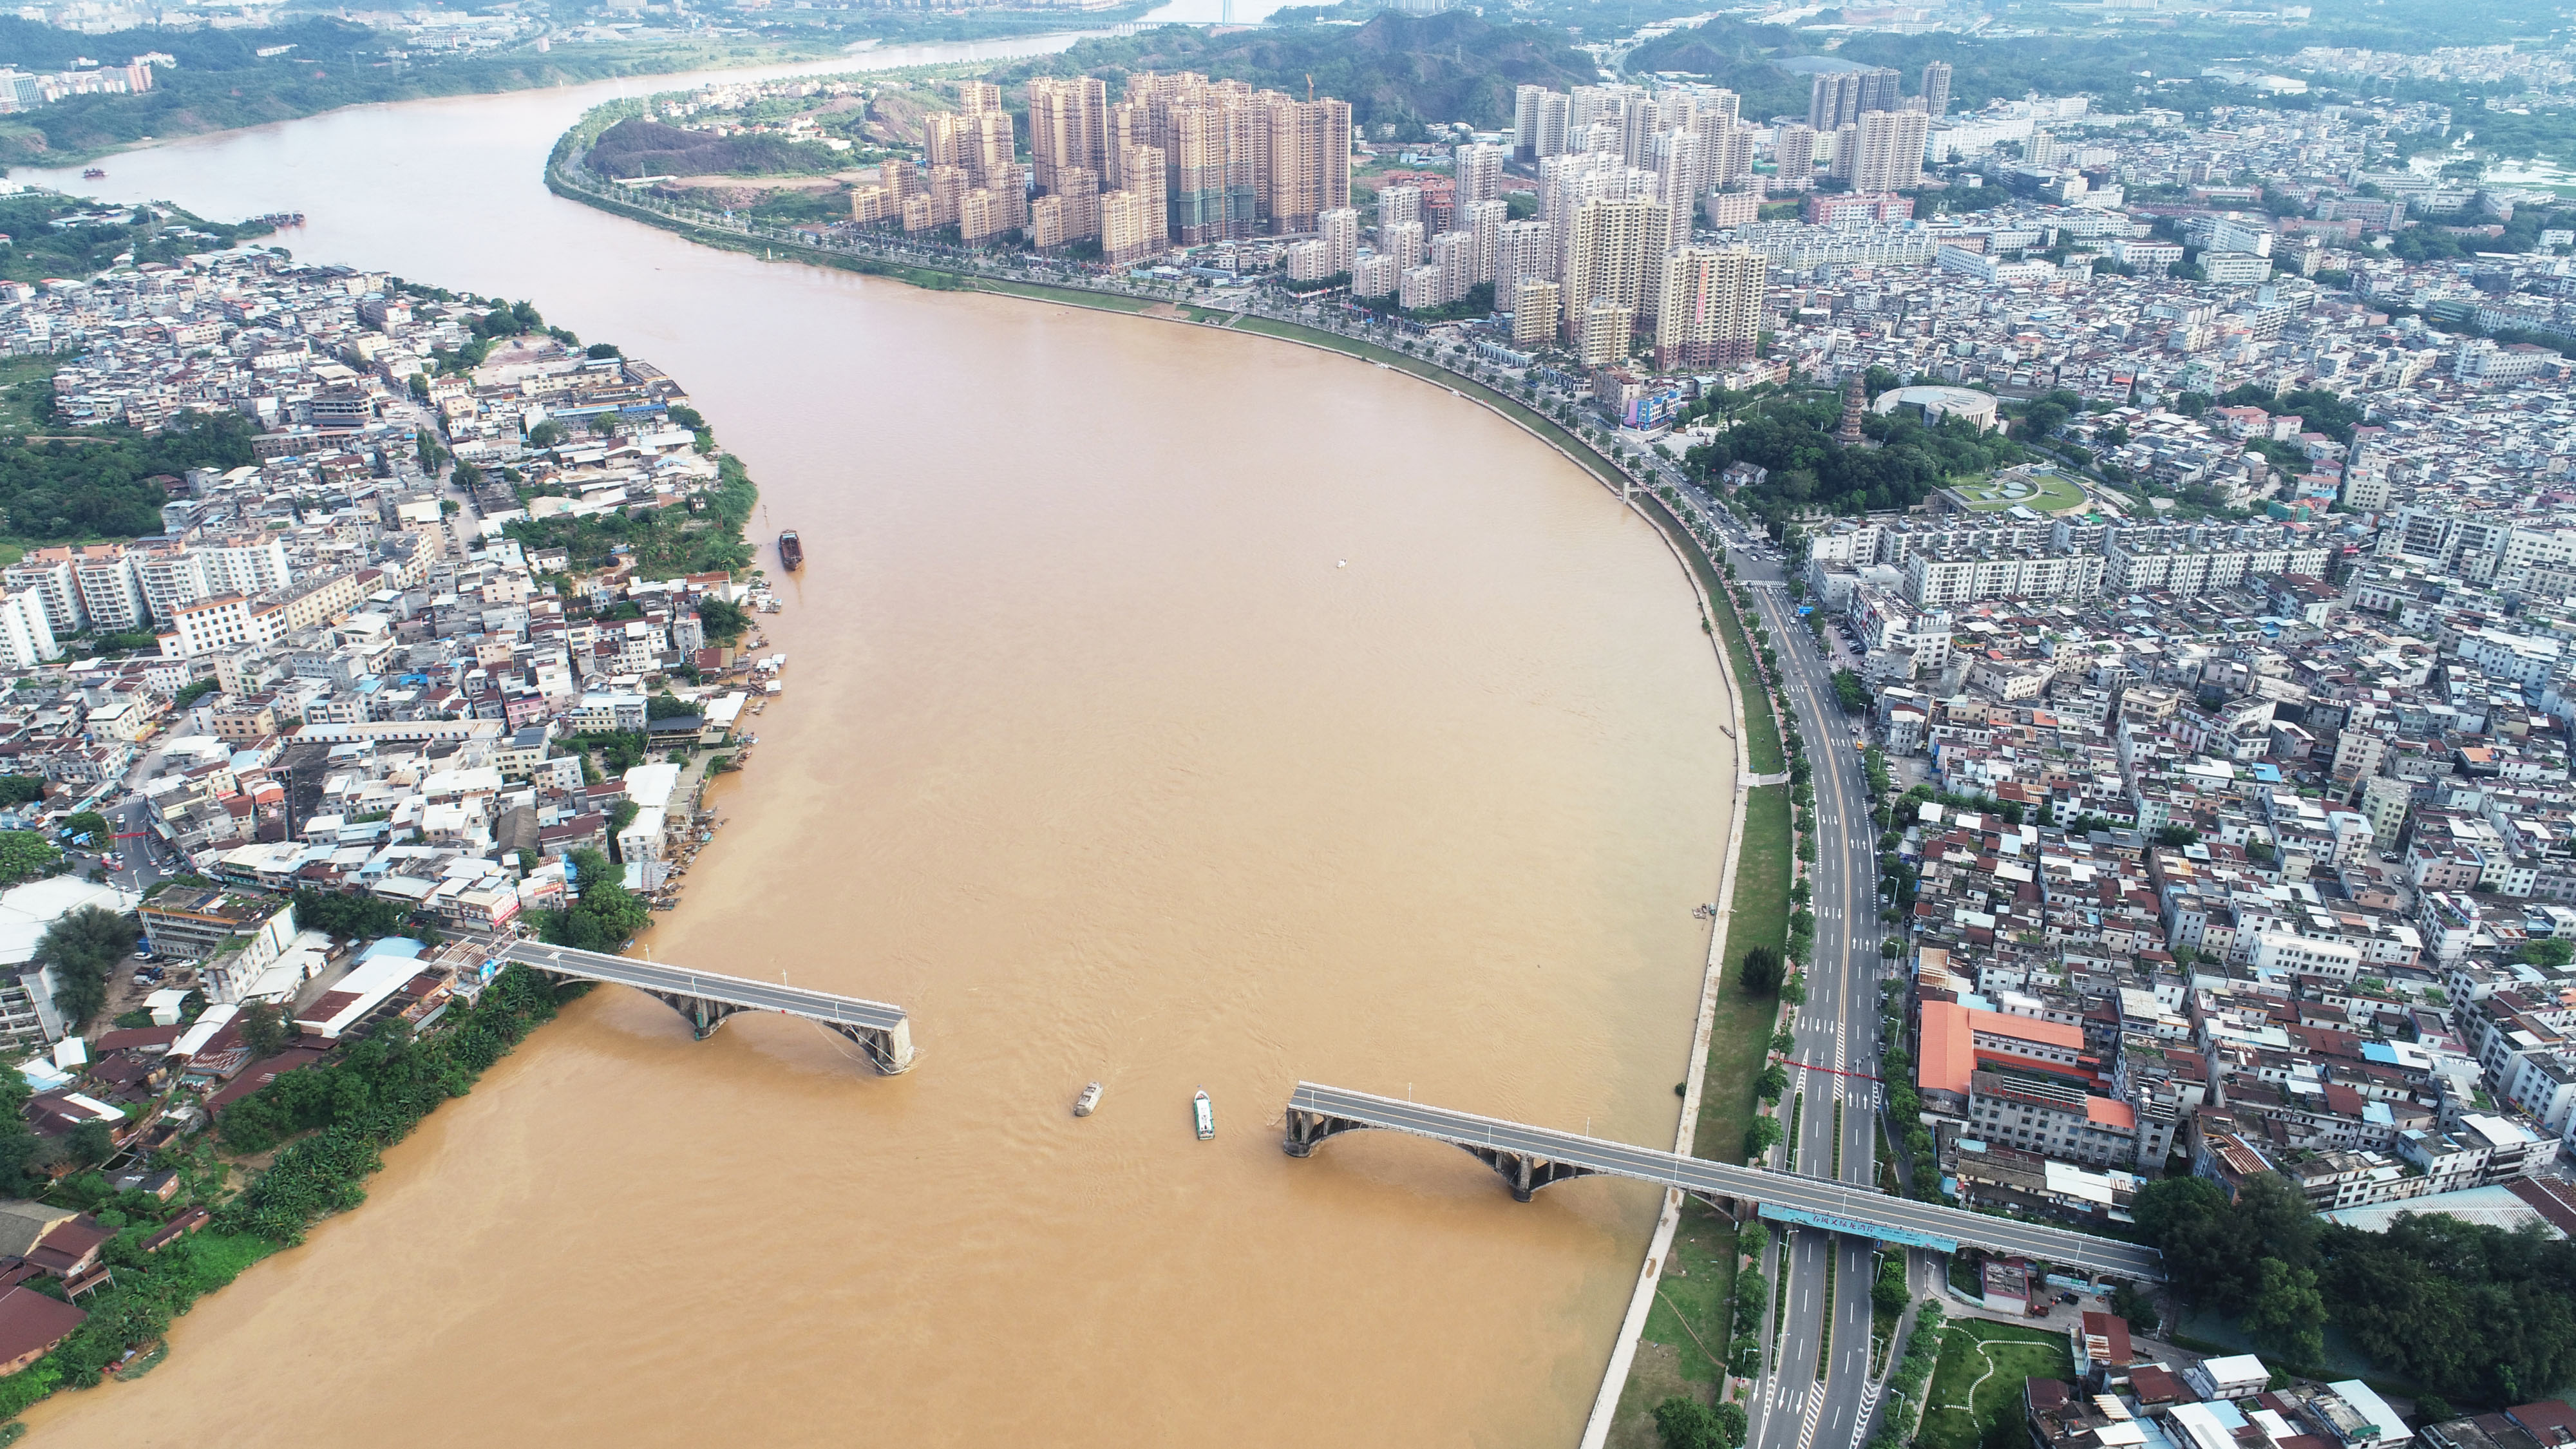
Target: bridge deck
(739,991)
(1823,1202)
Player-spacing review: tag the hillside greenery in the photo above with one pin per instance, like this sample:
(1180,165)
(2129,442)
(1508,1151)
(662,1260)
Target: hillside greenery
(221,81)
(1396,70)
(638,147)
(37,249)
(97,482)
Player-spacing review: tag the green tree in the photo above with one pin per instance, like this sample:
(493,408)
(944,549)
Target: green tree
(26,855)
(2547,952)
(1890,1292)
(603,916)
(1760,971)
(2177,836)
(21,789)
(723,622)
(355,918)
(91,824)
(89,1144)
(2287,1317)
(621,815)
(1685,1423)
(82,948)
(1761,1137)
(265,1029)
(1772,1084)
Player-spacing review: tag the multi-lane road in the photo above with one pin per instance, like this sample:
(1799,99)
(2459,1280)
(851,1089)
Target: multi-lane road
(1817,1392)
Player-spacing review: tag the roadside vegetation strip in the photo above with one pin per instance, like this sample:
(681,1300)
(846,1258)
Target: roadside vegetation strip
(937,279)
(1761,721)
(1548,429)
(1833,1320)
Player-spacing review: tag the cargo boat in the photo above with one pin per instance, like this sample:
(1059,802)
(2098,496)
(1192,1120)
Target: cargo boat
(93,174)
(791,552)
(1089,1099)
(1203,1115)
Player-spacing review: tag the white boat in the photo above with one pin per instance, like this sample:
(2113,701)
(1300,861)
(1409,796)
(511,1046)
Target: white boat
(1203,1114)
(1089,1099)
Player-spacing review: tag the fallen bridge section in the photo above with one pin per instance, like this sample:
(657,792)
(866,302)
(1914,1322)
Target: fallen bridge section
(706,998)
(1529,1158)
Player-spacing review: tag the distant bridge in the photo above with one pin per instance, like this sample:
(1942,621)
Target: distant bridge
(1529,1158)
(705,998)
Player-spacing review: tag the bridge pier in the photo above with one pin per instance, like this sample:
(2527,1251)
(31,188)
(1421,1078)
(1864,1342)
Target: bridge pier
(890,1052)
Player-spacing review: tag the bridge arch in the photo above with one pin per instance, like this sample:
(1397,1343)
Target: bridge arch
(1523,1173)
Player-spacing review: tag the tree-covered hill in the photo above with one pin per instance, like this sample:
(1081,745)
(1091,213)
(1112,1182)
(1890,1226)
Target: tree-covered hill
(221,81)
(637,147)
(1395,69)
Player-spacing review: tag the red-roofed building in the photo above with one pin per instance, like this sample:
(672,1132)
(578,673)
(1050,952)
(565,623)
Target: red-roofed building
(30,1325)
(2102,1352)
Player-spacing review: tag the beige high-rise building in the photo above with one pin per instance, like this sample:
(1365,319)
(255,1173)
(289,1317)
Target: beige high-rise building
(874,206)
(1605,333)
(1309,261)
(1130,227)
(1454,253)
(1403,241)
(1142,168)
(1534,314)
(1527,253)
(1068,127)
(1845,155)
(1129,128)
(1679,181)
(1795,151)
(980,142)
(901,179)
(948,188)
(1309,161)
(1239,162)
(1710,313)
(1397,205)
(1484,221)
(978,98)
(1612,254)
(981,217)
(1728,155)
(1213,169)
(1010,187)
(1341,231)
(1069,215)
(1888,150)
(1478,173)
(918,216)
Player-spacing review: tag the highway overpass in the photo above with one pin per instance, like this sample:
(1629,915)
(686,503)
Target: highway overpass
(1529,1158)
(706,998)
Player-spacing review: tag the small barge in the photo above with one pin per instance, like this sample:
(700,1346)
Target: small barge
(1203,1114)
(791,551)
(1090,1098)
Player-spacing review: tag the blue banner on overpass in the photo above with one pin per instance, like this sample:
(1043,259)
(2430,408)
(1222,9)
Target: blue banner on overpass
(1836,1223)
